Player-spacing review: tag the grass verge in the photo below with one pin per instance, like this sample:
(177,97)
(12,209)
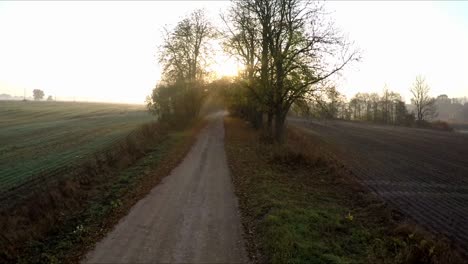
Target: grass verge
(298,206)
(64,221)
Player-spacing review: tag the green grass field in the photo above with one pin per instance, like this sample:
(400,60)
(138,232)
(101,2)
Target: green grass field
(43,138)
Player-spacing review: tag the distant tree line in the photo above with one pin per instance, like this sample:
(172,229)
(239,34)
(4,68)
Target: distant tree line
(5,96)
(385,108)
(452,109)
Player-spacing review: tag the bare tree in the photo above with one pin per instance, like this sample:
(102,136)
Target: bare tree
(184,55)
(242,40)
(425,105)
(301,42)
(242,37)
(327,104)
(299,50)
(185,50)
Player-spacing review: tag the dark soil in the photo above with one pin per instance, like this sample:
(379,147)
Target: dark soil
(423,173)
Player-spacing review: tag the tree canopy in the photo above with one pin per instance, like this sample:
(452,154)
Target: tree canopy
(38,94)
(289,48)
(184,55)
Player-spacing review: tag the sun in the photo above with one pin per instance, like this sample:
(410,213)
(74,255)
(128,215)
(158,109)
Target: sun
(225,66)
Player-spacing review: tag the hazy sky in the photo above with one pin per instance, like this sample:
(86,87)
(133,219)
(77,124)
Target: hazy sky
(106,51)
(401,39)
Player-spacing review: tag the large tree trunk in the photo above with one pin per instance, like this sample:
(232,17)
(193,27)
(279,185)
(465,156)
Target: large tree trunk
(269,121)
(279,126)
(257,119)
(277,97)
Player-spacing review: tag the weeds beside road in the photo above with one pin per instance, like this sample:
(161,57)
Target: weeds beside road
(61,224)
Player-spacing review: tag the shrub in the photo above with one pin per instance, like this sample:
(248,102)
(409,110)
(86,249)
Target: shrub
(441,125)
(176,103)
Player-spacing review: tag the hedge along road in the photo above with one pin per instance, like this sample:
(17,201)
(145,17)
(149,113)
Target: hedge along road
(424,173)
(190,217)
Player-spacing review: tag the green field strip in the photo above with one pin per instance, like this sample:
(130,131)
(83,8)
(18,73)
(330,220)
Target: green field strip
(45,140)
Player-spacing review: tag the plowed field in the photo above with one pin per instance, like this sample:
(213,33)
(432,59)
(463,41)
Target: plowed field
(424,173)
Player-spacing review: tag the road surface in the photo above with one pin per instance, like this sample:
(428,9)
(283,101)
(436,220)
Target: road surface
(190,217)
(422,172)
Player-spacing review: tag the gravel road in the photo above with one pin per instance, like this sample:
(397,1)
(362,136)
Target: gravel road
(422,172)
(190,217)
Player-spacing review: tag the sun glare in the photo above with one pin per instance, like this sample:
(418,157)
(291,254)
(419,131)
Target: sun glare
(226,66)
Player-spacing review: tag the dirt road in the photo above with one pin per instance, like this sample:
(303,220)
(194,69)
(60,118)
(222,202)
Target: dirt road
(190,217)
(422,172)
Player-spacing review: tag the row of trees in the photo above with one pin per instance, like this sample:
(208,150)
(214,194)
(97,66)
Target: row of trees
(387,108)
(289,50)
